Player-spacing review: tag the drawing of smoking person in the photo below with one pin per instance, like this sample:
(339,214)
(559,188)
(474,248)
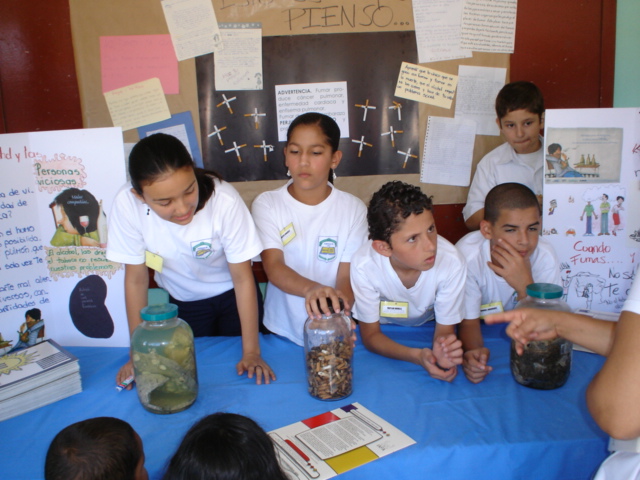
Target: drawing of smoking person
(616,212)
(605,206)
(560,162)
(589,212)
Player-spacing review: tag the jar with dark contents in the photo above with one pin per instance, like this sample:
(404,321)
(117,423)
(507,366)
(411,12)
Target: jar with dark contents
(164,360)
(328,350)
(544,364)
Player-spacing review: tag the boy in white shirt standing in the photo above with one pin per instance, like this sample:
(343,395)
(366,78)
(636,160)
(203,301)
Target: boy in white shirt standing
(503,257)
(407,275)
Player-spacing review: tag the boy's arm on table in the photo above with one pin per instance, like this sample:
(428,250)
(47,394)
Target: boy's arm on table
(476,355)
(291,282)
(247,304)
(136,291)
(515,269)
(527,324)
(377,342)
(614,393)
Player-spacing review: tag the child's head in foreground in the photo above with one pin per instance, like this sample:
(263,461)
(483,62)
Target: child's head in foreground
(402,226)
(102,448)
(512,213)
(225,446)
(520,112)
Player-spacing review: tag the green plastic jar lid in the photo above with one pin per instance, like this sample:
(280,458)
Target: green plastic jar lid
(544,290)
(156,313)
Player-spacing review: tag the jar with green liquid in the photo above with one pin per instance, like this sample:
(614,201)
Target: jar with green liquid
(164,360)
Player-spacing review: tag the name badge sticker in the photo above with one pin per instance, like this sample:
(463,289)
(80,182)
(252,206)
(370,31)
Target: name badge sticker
(287,234)
(489,308)
(394,309)
(153,261)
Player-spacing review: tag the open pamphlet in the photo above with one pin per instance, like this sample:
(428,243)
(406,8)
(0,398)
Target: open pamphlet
(334,442)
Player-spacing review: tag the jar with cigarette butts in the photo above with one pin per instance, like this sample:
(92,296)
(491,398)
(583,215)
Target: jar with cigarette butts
(164,360)
(544,364)
(328,350)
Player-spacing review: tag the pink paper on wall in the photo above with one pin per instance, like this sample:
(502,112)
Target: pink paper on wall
(131,59)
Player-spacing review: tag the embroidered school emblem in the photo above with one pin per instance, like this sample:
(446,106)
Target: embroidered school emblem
(327,248)
(201,249)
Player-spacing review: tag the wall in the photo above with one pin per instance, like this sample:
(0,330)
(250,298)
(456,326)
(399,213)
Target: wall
(627,70)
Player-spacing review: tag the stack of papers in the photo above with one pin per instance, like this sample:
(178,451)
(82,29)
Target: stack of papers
(37,376)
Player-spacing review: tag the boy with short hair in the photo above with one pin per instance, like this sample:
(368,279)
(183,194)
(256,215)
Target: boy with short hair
(520,117)
(407,274)
(503,257)
(102,448)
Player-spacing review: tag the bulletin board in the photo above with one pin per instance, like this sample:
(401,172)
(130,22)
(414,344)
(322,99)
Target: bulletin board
(92,20)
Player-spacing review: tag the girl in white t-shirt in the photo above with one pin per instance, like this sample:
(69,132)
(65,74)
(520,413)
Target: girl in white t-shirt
(197,233)
(309,230)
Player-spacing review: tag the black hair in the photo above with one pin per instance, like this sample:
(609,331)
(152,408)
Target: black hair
(620,197)
(605,195)
(78,203)
(34,313)
(508,196)
(159,154)
(225,446)
(391,205)
(519,95)
(102,448)
(554,147)
(329,128)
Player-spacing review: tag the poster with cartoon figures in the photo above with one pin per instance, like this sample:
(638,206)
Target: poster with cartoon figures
(591,194)
(55,281)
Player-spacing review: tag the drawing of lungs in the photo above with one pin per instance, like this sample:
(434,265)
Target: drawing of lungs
(87,309)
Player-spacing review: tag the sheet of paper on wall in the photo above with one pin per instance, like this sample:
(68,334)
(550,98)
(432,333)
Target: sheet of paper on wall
(127,59)
(476,98)
(448,151)
(590,194)
(180,125)
(489,25)
(438,25)
(137,104)
(329,98)
(238,66)
(193,27)
(426,85)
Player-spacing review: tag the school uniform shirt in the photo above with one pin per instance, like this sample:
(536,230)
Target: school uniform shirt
(381,296)
(314,239)
(504,165)
(484,287)
(623,465)
(194,256)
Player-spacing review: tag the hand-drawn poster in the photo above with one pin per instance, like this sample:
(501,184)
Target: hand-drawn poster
(592,186)
(55,281)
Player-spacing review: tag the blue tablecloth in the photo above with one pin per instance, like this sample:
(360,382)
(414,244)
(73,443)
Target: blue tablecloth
(494,430)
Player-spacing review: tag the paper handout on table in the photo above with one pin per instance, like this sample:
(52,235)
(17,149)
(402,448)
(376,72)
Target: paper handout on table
(334,442)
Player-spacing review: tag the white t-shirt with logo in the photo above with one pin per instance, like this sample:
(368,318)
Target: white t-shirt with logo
(194,256)
(314,239)
(381,295)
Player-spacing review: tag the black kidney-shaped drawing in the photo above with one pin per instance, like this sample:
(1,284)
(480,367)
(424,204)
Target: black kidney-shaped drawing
(87,309)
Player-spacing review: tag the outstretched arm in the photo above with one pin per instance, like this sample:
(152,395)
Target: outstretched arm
(529,324)
(247,303)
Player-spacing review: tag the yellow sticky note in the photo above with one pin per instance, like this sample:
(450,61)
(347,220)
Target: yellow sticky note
(425,85)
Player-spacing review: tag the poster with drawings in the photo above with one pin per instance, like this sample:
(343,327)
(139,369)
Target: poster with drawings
(55,281)
(591,194)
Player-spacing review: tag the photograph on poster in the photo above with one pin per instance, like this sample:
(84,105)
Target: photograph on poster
(583,155)
(242,141)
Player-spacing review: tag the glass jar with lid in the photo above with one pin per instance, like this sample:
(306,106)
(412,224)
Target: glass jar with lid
(328,349)
(164,360)
(544,364)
